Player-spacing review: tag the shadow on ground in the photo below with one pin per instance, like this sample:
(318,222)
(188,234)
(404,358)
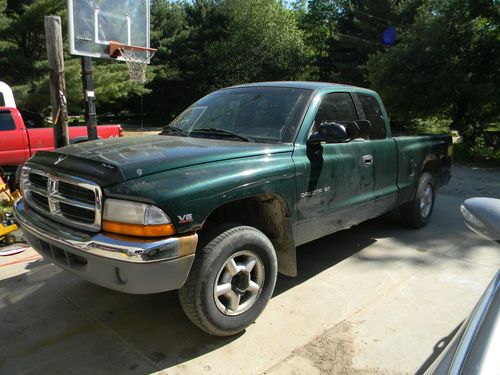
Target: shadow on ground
(446,235)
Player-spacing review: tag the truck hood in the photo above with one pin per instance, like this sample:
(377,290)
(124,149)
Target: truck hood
(119,159)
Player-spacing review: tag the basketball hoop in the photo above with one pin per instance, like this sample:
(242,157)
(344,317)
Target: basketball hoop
(137,59)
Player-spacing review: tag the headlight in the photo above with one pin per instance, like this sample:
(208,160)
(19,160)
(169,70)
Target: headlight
(470,217)
(135,219)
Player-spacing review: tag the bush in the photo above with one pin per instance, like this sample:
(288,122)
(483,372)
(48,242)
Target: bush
(479,153)
(431,125)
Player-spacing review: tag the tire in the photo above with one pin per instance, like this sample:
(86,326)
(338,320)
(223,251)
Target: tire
(417,212)
(10,240)
(231,281)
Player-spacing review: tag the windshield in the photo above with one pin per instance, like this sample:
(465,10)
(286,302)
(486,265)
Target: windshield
(259,114)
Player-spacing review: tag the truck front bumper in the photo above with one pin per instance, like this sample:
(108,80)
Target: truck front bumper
(136,266)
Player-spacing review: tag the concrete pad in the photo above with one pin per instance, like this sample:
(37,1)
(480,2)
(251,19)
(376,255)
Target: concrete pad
(374,299)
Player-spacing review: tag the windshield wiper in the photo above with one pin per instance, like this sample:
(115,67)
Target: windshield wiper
(173,130)
(223,132)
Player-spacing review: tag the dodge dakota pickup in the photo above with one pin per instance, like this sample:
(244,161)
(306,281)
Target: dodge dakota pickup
(215,205)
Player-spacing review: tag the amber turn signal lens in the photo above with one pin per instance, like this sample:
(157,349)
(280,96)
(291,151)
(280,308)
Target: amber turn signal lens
(138,230)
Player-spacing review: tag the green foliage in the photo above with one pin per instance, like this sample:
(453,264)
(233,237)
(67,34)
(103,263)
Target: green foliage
(24,66)
(443,65)
(446,63)
(342,34)
(431,125)
(263,43)
(317,19)
(208,44)
(25,37)
(4,25)
(479,152)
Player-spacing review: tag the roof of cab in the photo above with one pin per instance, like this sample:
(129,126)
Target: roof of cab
(304,85)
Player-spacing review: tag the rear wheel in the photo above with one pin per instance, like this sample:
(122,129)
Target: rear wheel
(418,211)
(231,281)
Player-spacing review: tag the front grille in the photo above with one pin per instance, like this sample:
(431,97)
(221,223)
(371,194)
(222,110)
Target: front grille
(38,180)
(76,192)
(77,213)
(70,200)
(41,201)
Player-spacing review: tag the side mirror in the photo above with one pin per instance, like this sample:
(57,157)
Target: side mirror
(482,215)
(329,132)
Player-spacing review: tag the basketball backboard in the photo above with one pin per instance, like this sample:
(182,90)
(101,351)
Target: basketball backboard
(93,24)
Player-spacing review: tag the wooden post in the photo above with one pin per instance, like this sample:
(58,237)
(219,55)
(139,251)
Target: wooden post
(89,99)
(55,55)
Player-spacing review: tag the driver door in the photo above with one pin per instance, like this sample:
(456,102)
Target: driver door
(336,187)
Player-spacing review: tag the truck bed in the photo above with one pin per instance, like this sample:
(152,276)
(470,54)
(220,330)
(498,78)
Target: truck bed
(433,151)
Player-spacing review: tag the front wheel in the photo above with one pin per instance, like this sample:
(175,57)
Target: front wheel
(231,281)
(417,212)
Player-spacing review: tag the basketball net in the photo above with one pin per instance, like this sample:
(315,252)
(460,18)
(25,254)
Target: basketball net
(137,63)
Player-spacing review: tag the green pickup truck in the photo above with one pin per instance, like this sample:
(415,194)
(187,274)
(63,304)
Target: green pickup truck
(216,204)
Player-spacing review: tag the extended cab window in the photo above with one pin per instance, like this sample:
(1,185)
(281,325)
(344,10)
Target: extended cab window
(373,113)
(6,121)
(336,107)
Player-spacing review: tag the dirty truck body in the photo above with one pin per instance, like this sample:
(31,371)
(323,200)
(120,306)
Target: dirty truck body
(217,213)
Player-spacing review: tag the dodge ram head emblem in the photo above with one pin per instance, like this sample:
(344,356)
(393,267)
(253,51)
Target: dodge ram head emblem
(60,159)
(185,219)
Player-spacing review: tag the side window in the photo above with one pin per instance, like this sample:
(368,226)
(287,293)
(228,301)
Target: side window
(6,121)
(2,100)
(373,114)
(336,107)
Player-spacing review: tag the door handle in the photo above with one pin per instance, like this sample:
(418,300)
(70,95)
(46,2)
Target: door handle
(367,160)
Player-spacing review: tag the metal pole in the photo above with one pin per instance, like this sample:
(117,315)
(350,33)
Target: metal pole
(89,98)
(55,55)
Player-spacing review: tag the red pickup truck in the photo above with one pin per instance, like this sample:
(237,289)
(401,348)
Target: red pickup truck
(18,143)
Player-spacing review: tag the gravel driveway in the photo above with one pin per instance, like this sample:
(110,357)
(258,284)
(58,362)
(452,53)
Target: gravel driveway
(469,182)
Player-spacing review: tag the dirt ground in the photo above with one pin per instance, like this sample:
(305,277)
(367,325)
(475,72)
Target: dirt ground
(467,182)
(332,351)
(135,133)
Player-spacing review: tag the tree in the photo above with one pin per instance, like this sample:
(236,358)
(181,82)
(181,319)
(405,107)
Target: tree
(343,34)
(182,32)
(263,43)
(317,19)
(208,44)
(5,45)
(23,62)
(358,34)
(446,64)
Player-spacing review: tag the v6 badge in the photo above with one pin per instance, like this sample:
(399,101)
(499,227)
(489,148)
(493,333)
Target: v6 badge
(185,219)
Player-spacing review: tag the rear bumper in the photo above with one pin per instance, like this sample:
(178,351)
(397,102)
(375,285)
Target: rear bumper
(129,265)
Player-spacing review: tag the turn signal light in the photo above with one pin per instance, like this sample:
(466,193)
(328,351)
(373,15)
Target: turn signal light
(138,230)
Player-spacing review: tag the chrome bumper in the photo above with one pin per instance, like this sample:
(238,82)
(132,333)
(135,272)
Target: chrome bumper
(137,266)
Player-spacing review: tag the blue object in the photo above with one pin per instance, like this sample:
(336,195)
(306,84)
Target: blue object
(389,36)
